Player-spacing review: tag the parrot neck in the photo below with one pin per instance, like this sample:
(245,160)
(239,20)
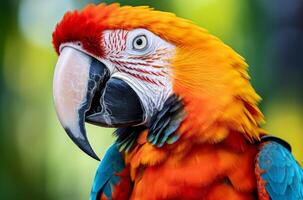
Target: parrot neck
(211,118)
(207,122)
(213,82)
(161,128)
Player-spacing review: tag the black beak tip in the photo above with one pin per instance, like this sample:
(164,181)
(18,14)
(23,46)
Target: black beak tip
(83,144)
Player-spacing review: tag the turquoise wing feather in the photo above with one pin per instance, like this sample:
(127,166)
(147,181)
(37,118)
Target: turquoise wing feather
(282,175)
(106,178)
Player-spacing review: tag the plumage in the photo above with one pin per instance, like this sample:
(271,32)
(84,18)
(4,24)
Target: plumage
(109,175)
(165,123)
(201,137)
(126,137)
(282,176)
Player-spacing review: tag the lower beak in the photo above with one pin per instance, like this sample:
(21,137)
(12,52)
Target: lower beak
(77,77)
(84,91)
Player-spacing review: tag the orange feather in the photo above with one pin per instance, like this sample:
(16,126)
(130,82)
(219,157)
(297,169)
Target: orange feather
(214,157)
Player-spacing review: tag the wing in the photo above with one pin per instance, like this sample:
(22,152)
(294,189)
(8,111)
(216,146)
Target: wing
(281,175)
(109,175)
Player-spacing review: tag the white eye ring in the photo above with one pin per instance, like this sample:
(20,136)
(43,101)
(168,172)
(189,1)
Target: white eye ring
(140,42)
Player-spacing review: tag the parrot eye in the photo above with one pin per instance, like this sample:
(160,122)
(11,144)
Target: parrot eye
(140,42)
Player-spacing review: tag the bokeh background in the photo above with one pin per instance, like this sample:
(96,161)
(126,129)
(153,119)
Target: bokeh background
(38,160)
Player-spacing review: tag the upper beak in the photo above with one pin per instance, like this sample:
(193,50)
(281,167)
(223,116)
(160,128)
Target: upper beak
(84,91)
(77,77)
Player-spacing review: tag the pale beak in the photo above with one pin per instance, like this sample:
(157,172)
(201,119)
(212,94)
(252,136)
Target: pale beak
(77,77)
(84,91)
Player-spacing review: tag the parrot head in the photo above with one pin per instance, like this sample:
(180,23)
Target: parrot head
(118,65)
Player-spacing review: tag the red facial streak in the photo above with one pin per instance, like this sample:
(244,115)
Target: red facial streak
(143,78)
(124,64)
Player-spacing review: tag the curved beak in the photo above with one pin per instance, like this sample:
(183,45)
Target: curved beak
(84,91)
(77,77)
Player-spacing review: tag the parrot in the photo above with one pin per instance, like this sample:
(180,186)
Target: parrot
(186,117)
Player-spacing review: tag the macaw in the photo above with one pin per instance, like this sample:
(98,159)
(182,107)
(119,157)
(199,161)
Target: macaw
(187,117)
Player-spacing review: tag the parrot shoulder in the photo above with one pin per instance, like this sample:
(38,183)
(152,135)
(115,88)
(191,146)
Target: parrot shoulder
(110,174)
(279,175)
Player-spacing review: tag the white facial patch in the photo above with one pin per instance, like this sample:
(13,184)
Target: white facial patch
(142,59)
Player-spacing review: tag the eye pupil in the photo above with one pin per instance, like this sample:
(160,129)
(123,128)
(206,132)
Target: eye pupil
(139,41)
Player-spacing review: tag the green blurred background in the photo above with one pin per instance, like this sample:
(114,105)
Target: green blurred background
(39,161)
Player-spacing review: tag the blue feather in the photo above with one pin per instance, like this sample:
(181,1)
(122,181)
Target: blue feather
(105,178)
(282,174)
